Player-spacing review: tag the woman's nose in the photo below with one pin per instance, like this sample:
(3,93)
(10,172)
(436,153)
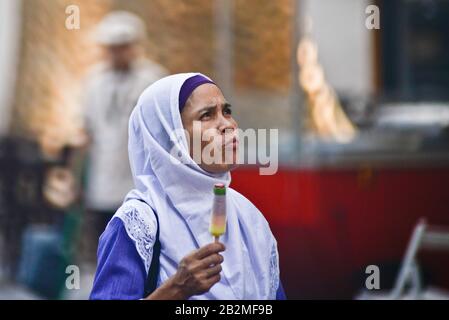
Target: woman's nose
(226,124)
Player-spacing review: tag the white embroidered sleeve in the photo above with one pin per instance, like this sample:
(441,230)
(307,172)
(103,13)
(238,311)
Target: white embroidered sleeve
(141,227)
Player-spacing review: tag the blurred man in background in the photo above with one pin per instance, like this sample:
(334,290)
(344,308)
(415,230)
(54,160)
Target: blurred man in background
(111,92)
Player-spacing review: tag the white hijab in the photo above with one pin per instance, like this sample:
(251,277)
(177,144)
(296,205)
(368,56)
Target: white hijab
(182,197)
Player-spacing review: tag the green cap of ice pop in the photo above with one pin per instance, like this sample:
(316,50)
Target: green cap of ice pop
(219,189)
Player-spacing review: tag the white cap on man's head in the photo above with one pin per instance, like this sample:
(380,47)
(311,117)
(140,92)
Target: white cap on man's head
(120,27)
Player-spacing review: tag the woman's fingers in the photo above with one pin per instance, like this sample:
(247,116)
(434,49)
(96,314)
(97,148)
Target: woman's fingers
(212,260)
(213,271)
(208,250)
(206,263)
(200,270)
(213,280)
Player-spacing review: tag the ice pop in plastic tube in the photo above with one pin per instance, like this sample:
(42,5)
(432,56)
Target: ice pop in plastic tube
(218,218)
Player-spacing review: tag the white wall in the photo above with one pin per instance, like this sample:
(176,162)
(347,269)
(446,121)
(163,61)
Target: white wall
(10,15)
(344,43)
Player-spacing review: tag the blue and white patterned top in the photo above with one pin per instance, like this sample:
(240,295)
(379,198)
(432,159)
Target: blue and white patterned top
(121,271)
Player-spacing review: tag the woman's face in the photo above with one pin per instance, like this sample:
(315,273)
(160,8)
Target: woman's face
(213,141)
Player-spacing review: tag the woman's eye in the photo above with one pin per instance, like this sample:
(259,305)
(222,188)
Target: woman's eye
(205,115)
(227,111)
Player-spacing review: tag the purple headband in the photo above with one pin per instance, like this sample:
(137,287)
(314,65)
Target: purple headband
(188,87)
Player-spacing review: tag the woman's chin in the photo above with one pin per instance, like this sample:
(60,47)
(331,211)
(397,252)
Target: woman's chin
(233,166)
(219,168)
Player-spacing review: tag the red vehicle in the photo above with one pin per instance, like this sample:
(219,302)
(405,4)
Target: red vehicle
(332,221)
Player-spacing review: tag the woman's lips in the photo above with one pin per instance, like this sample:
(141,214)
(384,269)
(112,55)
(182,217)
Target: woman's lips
(234,142)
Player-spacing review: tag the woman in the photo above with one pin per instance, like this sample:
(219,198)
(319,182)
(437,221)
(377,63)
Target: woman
(158,246)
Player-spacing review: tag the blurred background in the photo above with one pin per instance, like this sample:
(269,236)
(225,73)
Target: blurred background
(362,114)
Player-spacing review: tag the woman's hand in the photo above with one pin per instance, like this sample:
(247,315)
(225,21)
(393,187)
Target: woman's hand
(196,274)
